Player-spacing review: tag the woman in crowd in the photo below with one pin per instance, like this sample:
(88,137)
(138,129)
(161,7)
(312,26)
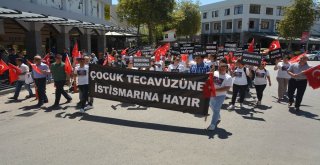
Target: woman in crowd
(176,66)
(260,81)
(282,76)
(240,83)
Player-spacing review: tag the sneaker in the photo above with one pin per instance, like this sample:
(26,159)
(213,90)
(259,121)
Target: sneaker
(258,103)
(82,110)
(231,107)
(88,107)
(211,127)
(289,104)
(241,106)
(13,98)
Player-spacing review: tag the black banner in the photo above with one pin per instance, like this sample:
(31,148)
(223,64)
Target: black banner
(230,46)
(147,51)
(274,54)
(187,48)
(211,48)
(251,58)
(175,51)
(220,55)
(173,91)
(238,52)
(199,50)
(141,62)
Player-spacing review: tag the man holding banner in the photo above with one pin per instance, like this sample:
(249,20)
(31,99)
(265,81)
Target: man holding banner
(223,83)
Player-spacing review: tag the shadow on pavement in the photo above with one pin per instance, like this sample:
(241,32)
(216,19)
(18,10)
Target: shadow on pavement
(304,114)
(31,107)
(129,106)
(221,133)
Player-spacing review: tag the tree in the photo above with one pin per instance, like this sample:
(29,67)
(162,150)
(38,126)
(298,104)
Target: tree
(298,18)
(190,24)
(150,13)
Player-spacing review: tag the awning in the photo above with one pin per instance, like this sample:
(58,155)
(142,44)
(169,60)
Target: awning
(114,34)
(8,11)
(22,15)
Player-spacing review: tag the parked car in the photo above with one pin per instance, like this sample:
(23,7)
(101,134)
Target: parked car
(314,56)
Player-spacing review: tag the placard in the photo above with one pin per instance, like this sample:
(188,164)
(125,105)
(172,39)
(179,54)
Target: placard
(187,48)
(230,46)
(199,50)
(251,58)
(211,48)
(141,62)
(276,53)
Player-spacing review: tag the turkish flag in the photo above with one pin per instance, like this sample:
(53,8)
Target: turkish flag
(34,67)
(251,46)
(296,59)
(46,59)
(124,52)
(68,66)
(3,67)
(184,57)
(75,50)
(313,76)
(139,53)
(275,44)
(109,58)
(14,73)
(209,89)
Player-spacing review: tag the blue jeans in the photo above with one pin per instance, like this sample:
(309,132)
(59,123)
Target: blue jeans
(215,105)
(19,86)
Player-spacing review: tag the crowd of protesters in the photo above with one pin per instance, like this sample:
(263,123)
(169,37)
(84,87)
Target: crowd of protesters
(229,73)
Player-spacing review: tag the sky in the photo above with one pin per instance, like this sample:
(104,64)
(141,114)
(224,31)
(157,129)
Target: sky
(202,2)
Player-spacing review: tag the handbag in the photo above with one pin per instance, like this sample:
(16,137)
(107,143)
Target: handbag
(28,78)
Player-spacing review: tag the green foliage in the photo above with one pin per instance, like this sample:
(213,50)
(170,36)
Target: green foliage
(150,13)
(299,17)
(107,12)
(188,18)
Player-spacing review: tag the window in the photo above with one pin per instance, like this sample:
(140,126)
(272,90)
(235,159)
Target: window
(206,27)
(251,24)
(280,11)
(269,11)
(239,24)
(216,26)
(317,16)
(264,24)
(166,36)
(227,12)
(215,13)
(277,25)
(204,16)
(229,25)
(255,9)
(238,9)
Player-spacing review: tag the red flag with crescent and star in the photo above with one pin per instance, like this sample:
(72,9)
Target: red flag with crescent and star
(313,76)
(3,67)
(296,59)
(46,59)
(275,44)
(34,67)
(14,73)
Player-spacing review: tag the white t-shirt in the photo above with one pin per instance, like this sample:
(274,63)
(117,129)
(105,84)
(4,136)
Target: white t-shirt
(83,74)
(261,77)
(24,69)
(282,70)
(240,78)
(221,81)
(173,68)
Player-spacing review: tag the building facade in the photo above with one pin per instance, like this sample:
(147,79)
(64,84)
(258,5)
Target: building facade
(39,26)
(240,21)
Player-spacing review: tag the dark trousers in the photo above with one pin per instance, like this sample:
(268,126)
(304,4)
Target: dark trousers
(41,87)
(300,86)
(259,90)
(84,89)
(59,90)
(241,89)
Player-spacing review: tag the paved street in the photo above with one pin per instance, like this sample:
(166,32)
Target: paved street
(114,133)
